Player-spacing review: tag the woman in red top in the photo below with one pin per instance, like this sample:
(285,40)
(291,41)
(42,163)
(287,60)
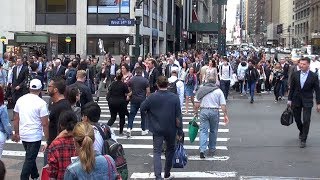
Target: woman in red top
(62,148)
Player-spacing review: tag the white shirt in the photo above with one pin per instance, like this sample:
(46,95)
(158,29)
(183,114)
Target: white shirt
(180,89)
(213,100)
(314,65)
(113,69)
(226,72)
(30,125)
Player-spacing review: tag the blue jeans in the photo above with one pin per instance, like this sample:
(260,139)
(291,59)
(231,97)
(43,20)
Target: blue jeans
(225,86)
(133,112)
(209,119)
(29,165)
(252,87)
(157,149)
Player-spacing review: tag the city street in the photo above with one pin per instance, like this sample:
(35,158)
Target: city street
(253,144)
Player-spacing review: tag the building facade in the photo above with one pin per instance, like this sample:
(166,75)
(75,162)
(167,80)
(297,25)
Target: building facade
(87,21)
(286,20)
(315,16)
(301,22)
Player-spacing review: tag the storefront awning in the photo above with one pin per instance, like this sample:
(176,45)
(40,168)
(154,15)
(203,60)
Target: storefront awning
(31,36)
(211,28)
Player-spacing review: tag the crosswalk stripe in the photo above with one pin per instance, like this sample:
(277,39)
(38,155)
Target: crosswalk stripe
(185,117)
(184,130)
(20,142)
(149,146)
(107,111)
(151,138)
(197,158)
(187,175)
(139,122)
(18,153)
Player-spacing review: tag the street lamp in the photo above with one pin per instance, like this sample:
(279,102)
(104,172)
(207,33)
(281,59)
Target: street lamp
(138,15)
(3,39)
(68,40)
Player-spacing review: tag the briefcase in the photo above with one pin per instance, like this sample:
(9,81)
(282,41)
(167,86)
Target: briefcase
(287,117)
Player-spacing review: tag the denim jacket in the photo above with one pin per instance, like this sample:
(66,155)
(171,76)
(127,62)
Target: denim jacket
(5,125)
(100,171)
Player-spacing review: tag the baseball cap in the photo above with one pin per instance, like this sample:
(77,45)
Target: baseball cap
(35,84)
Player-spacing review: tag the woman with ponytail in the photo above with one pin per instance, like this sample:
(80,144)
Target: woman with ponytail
(90,164)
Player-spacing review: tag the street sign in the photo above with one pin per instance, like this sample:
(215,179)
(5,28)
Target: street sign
(121,22)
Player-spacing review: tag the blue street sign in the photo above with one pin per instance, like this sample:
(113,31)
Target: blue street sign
(121,22)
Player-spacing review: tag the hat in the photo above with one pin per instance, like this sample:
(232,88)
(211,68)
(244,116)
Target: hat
(35,84)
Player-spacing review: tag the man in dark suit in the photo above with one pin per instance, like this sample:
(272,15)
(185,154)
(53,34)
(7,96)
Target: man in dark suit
(20,74)
(59,69)
(153,75)
(303,84)
(113,69)
(197,67)
(169,67)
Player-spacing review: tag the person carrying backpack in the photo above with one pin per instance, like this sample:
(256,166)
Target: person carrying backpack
(71,75)
(176,86)
(105,140)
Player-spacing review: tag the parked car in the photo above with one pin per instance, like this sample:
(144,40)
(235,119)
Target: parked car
(286,50)
(272,51)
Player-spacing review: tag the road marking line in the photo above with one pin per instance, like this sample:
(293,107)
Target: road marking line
(149,146)
(107,111)
(275,177)
(151,138)
(184,130)
(139,122)
(18,153)
(197,158)
(20,142)
(185,175)
(139,117)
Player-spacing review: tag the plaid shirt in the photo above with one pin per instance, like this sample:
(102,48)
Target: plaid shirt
(60,152)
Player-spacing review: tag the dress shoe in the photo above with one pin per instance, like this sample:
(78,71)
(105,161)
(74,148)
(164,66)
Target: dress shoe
(302,144)
(300,136)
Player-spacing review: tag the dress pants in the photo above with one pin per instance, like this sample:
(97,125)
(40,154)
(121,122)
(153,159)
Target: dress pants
(304,123)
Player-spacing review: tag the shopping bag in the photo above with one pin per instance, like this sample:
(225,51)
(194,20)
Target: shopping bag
(193,129)
(287,117)
(45,174)
(180,157)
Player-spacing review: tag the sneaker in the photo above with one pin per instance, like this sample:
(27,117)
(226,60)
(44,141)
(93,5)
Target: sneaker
(128,132)
(145,132)
(202,155)
(168,177)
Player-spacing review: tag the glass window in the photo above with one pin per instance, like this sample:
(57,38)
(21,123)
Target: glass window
(72,6)
(146,21)
(170,11)
(57,6)
(41,6)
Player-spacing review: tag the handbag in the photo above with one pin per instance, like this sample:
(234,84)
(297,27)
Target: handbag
(180,157)
(287,117)
(45,174)
(193,129)
(113,168)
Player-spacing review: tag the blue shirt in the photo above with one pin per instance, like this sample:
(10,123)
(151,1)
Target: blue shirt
(303,78)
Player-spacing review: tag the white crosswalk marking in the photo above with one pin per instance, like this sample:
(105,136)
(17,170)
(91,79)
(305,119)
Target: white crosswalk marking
(137,141)
(143,145)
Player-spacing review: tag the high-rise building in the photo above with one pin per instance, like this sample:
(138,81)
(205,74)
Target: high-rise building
(256,24)
(301,24)
(286,21)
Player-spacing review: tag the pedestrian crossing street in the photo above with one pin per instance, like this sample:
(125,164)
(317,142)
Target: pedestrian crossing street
(139,149)
(141,146)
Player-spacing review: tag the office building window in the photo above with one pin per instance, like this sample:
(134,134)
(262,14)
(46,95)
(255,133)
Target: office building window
(161,15)
(154,14)
(169,11)
(101,11)
(56,12)
(146,13)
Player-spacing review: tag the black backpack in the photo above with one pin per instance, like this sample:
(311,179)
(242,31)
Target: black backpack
(172,87)
(113,149)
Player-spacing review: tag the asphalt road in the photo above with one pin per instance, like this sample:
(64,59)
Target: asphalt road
(256,144)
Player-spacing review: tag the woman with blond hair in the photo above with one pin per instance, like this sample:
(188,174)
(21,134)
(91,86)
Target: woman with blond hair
(90,164)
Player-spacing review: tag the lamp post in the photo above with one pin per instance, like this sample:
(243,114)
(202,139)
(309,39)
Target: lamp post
(138,16)
(68,40)
(3,39)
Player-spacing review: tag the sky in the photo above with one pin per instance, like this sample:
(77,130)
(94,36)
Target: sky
(231,16)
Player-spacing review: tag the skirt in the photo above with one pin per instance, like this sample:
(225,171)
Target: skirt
(189,90)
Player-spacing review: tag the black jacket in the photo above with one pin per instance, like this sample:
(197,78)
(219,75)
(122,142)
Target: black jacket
(85,91)
(304,97)
(252,75)
(153,80)
(22,79)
